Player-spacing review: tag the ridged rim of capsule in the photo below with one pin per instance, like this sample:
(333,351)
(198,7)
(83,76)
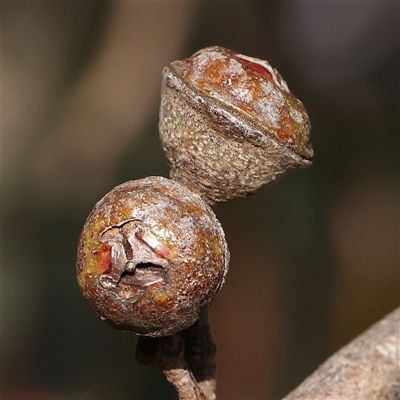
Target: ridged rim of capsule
(241,127)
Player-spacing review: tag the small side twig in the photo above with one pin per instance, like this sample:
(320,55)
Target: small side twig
(186,358)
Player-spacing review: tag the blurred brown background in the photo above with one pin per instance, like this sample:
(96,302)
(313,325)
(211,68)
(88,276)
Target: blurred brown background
(314,257)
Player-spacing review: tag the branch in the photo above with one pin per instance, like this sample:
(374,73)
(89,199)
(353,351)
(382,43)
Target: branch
(186,358)
(367,368)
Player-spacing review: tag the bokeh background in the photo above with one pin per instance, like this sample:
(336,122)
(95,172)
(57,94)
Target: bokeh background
(315,257)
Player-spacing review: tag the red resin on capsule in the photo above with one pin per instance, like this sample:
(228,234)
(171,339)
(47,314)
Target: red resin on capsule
(257,67)
(105,259)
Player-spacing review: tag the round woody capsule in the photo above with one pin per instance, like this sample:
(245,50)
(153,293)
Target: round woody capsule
(151,257)
(229,124)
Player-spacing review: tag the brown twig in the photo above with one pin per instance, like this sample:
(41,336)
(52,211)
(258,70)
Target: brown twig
(167,354)
(367,368)
(200,351)
(186,358)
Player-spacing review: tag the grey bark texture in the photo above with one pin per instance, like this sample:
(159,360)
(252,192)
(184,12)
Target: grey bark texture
(368,368)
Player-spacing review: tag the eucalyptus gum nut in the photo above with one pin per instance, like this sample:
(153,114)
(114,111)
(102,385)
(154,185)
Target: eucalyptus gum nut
(229,124)
(151,257)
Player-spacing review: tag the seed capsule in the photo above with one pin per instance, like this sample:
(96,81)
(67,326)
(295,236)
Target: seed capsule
(229,124)
(151,257)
